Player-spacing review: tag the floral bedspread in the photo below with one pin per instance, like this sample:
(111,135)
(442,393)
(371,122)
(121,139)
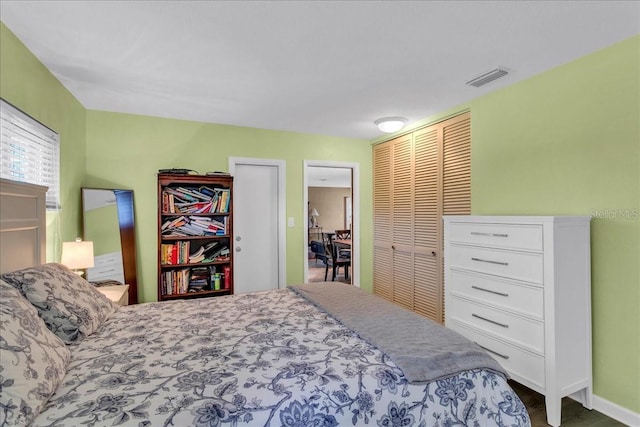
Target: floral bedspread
(262,359)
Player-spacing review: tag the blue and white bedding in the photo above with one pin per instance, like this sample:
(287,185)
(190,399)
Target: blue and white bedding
(262,359)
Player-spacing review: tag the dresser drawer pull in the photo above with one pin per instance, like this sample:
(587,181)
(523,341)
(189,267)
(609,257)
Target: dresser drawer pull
(502,294)
(504,356)
(489,261)
(477,233)
(489,320)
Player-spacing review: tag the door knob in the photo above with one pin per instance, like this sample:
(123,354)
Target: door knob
(238,238)
(238,249)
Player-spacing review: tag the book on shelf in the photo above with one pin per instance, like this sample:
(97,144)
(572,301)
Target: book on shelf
(193,192)
(195,200)
(179,253)
(217,252)
(199,279)
(197,256)
(180,195)
(176,253)
(168,255)
(223,201)
(227,276)
(174,223)
(175,281)
(194,226)
(208,191)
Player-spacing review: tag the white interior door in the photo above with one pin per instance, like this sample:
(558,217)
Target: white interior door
(257,226)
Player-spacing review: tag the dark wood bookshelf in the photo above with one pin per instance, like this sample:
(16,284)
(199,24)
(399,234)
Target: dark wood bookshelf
(175,191)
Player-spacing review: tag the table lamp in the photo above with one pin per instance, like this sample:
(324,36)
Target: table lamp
(314,217)
(77,255)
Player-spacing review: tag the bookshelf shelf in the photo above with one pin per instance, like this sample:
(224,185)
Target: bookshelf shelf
(199,294)
(194,264)
(195,229)
(175,214)
(175,238)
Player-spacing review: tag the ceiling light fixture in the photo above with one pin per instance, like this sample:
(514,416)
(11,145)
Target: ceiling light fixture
(391,124)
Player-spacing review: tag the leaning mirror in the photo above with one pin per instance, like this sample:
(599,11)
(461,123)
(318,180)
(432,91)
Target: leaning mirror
(108,222)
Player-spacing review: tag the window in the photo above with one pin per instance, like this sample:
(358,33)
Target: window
(29,152)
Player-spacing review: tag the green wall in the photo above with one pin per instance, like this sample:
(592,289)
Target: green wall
(567,142)
(28,85)
(126,151)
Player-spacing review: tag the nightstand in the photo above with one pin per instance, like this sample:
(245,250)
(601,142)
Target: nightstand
(117,293)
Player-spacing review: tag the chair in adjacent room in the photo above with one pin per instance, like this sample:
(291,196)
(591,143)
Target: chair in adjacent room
(334,260)
(344,252)
(317,249)
(343,234)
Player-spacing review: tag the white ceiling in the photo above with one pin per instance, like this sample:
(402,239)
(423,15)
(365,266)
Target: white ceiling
(319,176)
(321,67)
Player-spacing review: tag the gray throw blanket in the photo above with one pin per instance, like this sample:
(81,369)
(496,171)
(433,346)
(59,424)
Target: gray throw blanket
(422,348)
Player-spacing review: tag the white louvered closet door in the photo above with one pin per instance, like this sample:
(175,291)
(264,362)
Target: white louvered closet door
(418,177)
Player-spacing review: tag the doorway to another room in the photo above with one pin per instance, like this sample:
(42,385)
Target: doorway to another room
(331,208)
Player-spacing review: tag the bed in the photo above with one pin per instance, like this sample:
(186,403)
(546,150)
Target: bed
(308,355)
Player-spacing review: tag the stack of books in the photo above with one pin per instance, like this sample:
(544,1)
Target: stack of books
(192,200)
(199,279)
(194,226)
(210,252)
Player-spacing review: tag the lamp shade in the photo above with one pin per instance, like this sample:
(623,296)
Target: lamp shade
(314,212)
(391,124)
(77,255)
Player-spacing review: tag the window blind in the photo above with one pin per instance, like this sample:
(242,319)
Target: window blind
(29,152)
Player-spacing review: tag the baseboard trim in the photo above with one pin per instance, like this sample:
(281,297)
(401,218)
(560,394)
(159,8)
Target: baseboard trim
(612,410)
(617,412)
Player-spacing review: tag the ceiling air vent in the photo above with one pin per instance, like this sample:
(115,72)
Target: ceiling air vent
(488,77)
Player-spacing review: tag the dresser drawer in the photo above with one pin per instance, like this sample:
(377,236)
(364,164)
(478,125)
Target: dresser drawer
(496,291)
(518,362)
(96,274)
(113,258)
(510,236)
(519,330)
(516,265)
(107,266)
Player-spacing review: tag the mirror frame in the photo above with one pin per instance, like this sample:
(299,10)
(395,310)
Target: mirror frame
(126,221)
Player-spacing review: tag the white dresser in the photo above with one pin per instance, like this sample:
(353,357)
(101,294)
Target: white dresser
(520,286)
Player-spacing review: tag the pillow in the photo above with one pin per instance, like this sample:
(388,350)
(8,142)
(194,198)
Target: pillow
(69,305)
(33,359)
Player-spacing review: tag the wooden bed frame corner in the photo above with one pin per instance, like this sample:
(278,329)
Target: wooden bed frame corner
(23,231)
